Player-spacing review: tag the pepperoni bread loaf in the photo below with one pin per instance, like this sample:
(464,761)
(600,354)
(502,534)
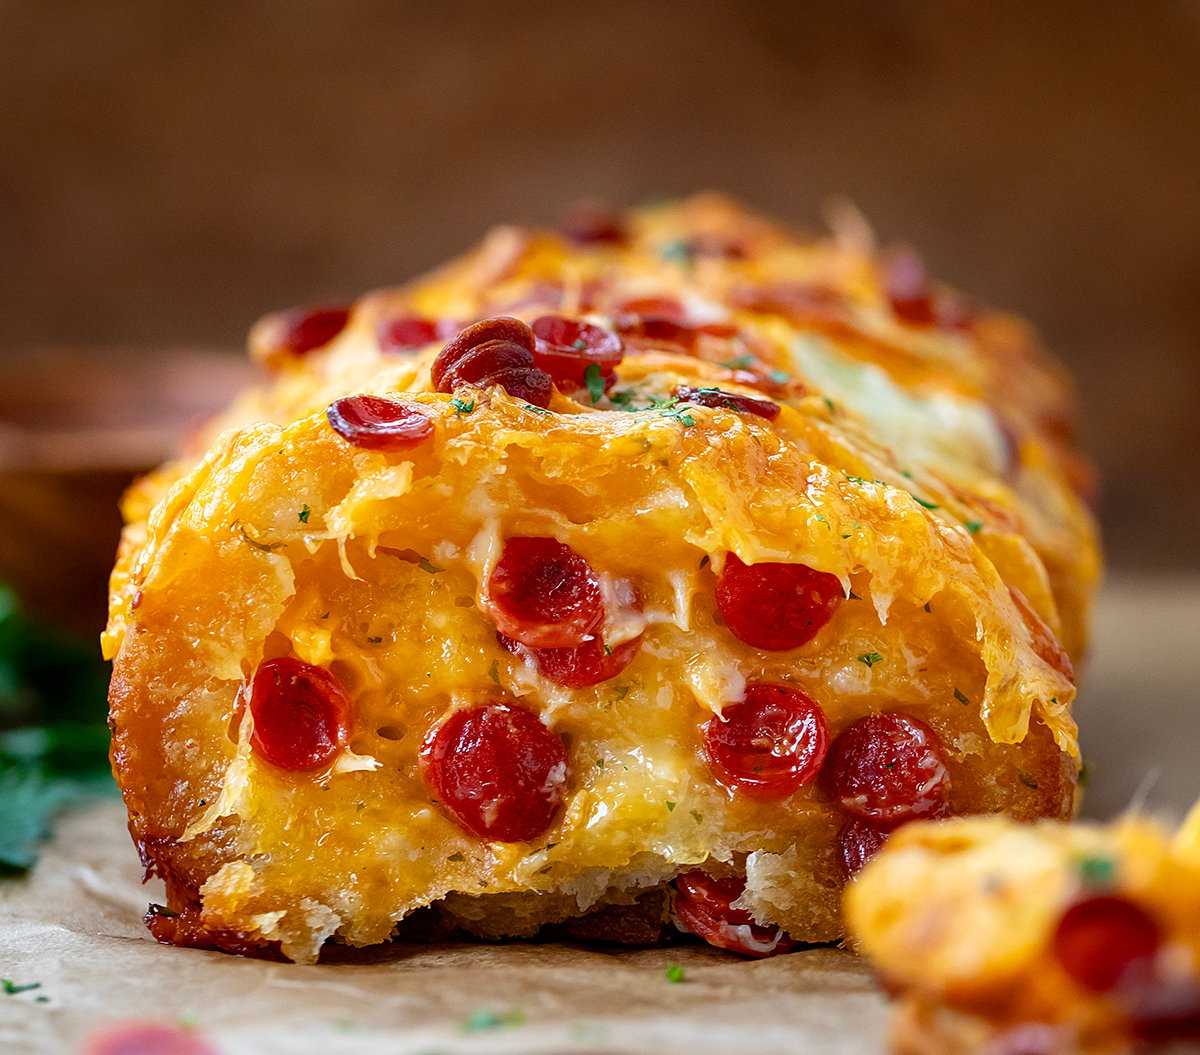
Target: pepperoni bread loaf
(633,578)
(1047,939)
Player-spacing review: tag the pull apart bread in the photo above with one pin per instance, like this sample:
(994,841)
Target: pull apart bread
(630,578)
(1046,939)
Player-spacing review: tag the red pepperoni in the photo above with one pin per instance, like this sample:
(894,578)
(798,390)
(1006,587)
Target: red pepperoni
(544,594)
(1099,939)
(703,906)
(590,223)
(301,331)
(858,842)
(656,321)
(146,1038)
(301,715)
(801,302)
(493,352)
(716,397)
(379,424)
(565,348)
(907,288)
(768,746)
(497,770)
(409,333)
(775,606)
(576,668)
(888,769)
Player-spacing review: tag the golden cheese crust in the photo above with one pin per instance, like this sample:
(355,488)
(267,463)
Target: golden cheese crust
(1052,939)
(920,455)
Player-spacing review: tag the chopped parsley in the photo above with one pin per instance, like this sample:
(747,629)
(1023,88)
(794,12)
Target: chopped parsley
(961,698)
(12,988)
(779,377)
(608,650)
(622,399)
(855,479)
(670,408)
(1027,780)
(426,564)
(483,1019)
(925,505)
(674,973)
(594,382)
(676,251)
(304,514)
(456,856)
(671,806)
(494,671)
(830,404)
(697,816)
(742,362)
(870,658)
(462,407)
(536,410)
(1097,870)
(973,526)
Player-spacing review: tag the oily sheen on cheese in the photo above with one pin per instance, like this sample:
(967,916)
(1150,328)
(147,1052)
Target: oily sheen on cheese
(627,580)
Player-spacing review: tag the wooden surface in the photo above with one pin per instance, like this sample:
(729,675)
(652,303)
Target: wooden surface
(169,171)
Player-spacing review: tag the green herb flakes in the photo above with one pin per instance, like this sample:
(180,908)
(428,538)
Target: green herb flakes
(536,410)
(961,698)
(742,362)
(697,816)
(1027,780)
(675,974)
(12,988)
(1097,870)
(427,565)
(462,406)
(456,857)
(484,1019)
(494,671)
(870,658)
(671,806)
(304,514)
(974,526)
(594,381)
(924,504)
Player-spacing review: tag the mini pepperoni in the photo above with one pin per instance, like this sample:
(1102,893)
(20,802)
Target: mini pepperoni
(716,397)
(591,223)
(858,842)
(378,423)
(493,352)
(775,606)
(888,769)
(576,668)
(301,715)
(907,287)
(544,594)
(768,746)
(146,1038)
(301,331)
(409,333)
(565,348)
(1099,939)
(497,770)
(1045,644)
(703,906)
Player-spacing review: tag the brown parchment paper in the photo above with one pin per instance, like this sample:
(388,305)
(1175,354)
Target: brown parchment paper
(75,926)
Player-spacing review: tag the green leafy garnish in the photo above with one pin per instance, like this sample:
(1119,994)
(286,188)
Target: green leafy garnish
(671,806)
(676,251)
(741,362)
(494,671)
(622,399)
(536,410)
(1097,870)
(425,564)
(973,526)
(779,377)
(870,658)
(961,698)
(830,404)
(12,988)
(594,382)
(697,816)
(1027,780)
(304,514)
(671,408)
(456,856)
(461,406)
(925,505)
(483,1019)
(674,973)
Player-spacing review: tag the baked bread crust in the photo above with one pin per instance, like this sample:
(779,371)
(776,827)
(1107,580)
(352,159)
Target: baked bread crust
(925,462)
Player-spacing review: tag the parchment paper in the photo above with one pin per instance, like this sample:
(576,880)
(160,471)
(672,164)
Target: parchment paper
(75,927)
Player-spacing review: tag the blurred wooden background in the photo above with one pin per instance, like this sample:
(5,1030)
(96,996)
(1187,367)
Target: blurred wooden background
(170,170)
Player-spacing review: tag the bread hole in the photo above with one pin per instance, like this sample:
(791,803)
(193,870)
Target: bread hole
(392,732)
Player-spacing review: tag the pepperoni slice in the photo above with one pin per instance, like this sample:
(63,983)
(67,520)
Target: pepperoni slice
(716,397)
(565,348)
(409,333)
(301,714)
(768,746)
(888,769)
(1099,939)
(544,594)
(1045,644)
(493,352)
(703,906)
(576,668)
(379,424)
(497,770)
(304,330)
(655,321)
(801,302)
(858,842)
(775,606)
(591,223)
(906,286)
(146,1038)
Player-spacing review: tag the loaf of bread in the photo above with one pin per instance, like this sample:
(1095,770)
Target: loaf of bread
(624,580)
(1046,939)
